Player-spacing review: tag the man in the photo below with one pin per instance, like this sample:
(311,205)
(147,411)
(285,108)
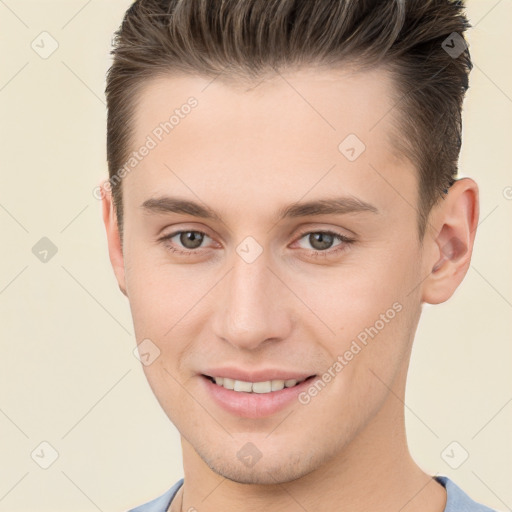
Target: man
(283,198)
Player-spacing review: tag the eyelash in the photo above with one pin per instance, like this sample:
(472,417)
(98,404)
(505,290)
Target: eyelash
(345,242)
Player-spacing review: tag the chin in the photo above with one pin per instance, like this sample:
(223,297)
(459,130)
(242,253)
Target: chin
(268,470)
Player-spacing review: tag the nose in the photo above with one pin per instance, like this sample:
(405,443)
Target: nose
(254,306)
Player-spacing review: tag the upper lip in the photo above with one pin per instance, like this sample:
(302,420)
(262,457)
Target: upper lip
(257,375)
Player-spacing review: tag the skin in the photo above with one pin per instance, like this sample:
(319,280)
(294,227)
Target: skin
(245,153)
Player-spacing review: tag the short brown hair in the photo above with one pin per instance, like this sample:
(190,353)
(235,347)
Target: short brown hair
(250,38)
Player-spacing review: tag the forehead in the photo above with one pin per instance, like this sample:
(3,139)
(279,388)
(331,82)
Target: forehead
(331,102)
(279,136)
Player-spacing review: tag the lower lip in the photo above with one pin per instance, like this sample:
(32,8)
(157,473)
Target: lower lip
(253,405)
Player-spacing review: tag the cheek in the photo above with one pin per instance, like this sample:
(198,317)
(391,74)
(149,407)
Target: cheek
(354,295)
(158,296)
(369,309)
(152,307)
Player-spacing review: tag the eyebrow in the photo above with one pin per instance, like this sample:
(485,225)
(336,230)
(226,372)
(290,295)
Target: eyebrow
(328,206)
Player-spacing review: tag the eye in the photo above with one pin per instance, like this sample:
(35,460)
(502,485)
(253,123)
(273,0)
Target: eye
(322,242)
(188,240)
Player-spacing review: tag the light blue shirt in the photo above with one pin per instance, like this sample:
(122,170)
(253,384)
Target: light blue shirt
(456,499)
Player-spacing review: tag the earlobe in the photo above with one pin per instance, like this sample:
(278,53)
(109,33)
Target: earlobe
(455,219)
(113,238)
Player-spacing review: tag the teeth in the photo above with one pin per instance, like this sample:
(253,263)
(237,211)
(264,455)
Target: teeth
(240,385)
(256,387)
(262,387)
(277,385)
(228,383)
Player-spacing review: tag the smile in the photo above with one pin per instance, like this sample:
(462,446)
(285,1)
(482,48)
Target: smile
(267,386)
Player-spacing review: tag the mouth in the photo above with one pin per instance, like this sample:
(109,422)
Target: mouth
(265,387)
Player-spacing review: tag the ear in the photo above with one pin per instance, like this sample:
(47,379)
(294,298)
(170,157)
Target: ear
(448,252)
(115,249)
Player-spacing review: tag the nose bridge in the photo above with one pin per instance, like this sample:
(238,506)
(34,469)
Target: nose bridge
(252,309)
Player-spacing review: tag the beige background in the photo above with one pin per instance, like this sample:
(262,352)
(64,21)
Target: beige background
(68,374)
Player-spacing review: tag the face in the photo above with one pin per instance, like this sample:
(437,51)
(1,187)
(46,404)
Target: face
(299,259)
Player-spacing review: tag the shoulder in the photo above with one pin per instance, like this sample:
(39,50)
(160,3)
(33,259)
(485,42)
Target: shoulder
(457,500)
(160,504)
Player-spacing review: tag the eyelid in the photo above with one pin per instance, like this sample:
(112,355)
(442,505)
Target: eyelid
(167,237)
(183,228)
(344,240)
(318,229)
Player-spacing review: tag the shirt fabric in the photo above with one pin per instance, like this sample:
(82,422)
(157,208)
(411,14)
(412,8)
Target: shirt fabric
(456,499)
